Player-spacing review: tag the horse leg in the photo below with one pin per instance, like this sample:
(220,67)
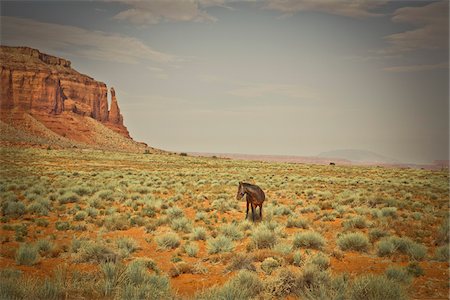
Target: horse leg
(253,212)
(260,212)
(246,214)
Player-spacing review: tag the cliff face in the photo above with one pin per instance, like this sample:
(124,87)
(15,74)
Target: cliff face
(42,84)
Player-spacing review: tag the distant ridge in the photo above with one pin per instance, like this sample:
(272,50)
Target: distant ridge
(358,156)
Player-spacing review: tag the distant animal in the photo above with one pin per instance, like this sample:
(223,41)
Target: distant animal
(332,164)
(255,197)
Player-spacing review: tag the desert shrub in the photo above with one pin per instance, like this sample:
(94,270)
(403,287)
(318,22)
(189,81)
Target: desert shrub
(112,276)
(201,216)
(127,245)
(282,210)
(191,249)
(442,253)
(219,244)
(297,223)
(180,268)
(38,208)
(415,269)
(107,195)
(182,224)
(377,233)
(93,251)
(27,255)
(398,274)
(11,285)
(297,259)
(175,212)
(13,209)
(283,248)
(353,241)
(198,233)
(41,222)
(355,222)
(376,287)
(389,245)
(321,261)
(138,284)
(241,261)
(82,190)
(232,231)
(443,232)
(80,215)
(282,283)
(44,246)
(68,197)
(312,281)
(263,237)
(309,239)
(62,225)
(310,208)
(116,222)
(168,241)
(389,211)
(244,285)
(269,265)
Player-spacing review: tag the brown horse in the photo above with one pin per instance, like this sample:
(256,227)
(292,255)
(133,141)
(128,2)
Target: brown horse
(255,197)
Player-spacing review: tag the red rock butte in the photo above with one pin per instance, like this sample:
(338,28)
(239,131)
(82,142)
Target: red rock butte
(38,90)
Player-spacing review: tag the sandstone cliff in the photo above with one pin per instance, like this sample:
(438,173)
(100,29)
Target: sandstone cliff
(47,88)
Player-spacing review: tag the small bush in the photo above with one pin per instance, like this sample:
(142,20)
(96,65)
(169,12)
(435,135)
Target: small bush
(191,249)
(389,245)
(376,287)
(80,215)
(182,224)
(168,241)
(13,209)
(27,255)
(198,233)
(442,253)
(269,265)
(355,222)
(68,197)
(62,225)
(232,231)
(415,269)
(245,285)
(241,261)
(44,246)
(376,233)
(389,211)
(398,274)
(321,261)
(94,251)
(309,239)
(127,245)
(353,241)
(262,237)
(219,244)
(297,223)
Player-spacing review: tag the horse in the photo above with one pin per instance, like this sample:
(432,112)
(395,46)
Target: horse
(255,197)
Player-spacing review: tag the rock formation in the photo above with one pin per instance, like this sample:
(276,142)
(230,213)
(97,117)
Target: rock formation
(45,85)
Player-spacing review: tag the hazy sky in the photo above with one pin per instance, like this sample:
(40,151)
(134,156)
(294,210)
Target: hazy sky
(259,77)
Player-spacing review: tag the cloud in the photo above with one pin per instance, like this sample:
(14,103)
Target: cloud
(285,90)
(417,68)
(77,41)
(347,8)
(431,32)
(156,11)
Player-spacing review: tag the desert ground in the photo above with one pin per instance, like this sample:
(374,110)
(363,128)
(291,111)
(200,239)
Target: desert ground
(83,224)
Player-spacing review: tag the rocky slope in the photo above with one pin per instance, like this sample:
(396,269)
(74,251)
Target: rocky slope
(70,105)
